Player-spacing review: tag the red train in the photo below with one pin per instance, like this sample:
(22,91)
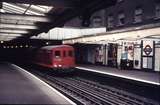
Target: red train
(59,57)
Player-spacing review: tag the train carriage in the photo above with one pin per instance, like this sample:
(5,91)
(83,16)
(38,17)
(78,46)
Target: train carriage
(59,57)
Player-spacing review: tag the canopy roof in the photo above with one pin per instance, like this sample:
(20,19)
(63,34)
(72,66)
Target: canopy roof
(26,18)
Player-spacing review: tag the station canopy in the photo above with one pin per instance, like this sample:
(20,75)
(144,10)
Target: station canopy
(18,19)
(27,18)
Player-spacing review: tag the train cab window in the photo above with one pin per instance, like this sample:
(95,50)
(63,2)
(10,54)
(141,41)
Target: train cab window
(64,53)
(57,54)
(70,53)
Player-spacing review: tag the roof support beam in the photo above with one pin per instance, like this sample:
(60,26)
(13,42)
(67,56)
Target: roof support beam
(25,17)
(4,34)
(9,31)
(16,26)
(55,3)
(7,37)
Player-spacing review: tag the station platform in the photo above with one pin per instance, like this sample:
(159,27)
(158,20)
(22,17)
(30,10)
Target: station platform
(152,78)
(17,86)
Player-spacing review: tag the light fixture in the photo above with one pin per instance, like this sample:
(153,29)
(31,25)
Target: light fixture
(47,43)
(2,41)
(26,46)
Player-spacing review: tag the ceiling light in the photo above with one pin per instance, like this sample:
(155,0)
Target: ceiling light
(2,41)
(26,45)
(47,43)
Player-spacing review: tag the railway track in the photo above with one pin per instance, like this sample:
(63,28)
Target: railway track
(85,92)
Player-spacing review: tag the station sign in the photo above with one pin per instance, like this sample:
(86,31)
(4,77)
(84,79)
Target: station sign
(147,48)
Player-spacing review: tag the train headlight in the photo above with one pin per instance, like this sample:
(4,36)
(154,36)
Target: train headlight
(60,65)
(55,65)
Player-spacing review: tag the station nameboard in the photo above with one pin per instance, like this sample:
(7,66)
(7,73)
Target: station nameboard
(147,48)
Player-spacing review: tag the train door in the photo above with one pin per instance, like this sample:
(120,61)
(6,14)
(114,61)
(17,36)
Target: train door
(112,54)
(57,57)
(147,55)
(69,59)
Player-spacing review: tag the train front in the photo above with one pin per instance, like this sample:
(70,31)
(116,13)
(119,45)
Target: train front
(64,59)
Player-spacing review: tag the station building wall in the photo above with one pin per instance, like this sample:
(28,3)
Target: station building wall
(99,54)
(130,17)
(119,54)
(128,13)
(91,55)
(157,57)
(137,56)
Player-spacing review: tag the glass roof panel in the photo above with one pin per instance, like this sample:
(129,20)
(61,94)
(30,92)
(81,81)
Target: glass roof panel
(32,13)
(12,10)
(25,8)
(13,7)
(18,8)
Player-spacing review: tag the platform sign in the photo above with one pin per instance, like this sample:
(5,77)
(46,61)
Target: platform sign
(147,48)
(128,50)
(148,55)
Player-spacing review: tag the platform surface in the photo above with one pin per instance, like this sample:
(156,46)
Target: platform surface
(18,86)
(141,76)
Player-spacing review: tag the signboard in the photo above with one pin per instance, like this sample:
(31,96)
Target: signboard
(147,54)
(128,48)
(147,48)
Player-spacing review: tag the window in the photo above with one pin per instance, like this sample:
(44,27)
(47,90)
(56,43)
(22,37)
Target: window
(64,53)
(138,15)
(121,19)
(157,10)
(110,21)
(57,54)
(97,21)
(70,53)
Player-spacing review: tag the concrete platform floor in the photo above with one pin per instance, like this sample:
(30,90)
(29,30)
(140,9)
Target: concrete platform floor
(141,76)
(18,86)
